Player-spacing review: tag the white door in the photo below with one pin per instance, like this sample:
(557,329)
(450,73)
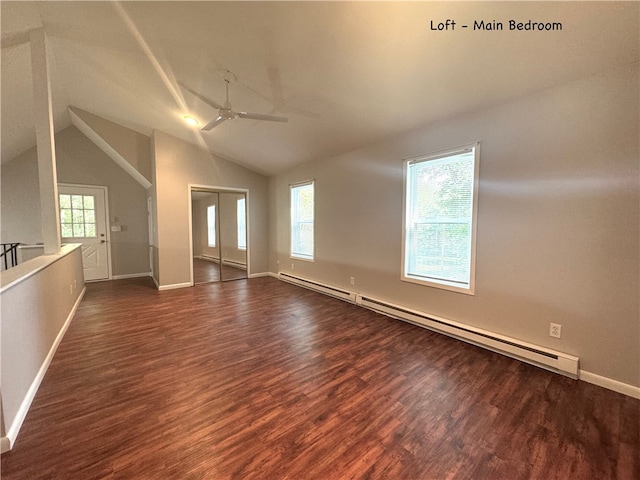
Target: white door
(83,219)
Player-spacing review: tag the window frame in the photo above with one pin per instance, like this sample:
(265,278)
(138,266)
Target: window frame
(73,223)
(439,155)
(292,254)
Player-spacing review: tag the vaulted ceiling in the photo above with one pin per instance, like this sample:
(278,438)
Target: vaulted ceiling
(346,74)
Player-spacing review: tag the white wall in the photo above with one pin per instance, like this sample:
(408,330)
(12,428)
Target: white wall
(20,200)
(82,162)
(132,146)
(35,314)
(558,220)
(179,164)
(78,161)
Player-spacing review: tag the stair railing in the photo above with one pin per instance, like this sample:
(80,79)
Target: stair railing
(9,255)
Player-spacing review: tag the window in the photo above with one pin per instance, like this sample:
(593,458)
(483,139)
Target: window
(242,224)
(77,216)
(302,221)
(211,225)
(439,219)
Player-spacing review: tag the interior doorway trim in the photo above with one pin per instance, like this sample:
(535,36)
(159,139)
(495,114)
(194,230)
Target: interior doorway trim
(194,187)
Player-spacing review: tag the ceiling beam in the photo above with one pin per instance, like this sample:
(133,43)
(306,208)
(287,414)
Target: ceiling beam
(92,134)
(45,143)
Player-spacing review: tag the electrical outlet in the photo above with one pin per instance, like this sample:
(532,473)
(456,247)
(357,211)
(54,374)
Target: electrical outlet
(292,267)
(352,280)
(555,330)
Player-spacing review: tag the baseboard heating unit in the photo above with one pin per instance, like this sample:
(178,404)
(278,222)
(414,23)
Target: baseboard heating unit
(536,355)
(318,287)
(540,356)
(233,263)
(208,258)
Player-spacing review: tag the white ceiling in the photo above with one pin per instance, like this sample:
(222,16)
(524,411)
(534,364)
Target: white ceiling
(345,73)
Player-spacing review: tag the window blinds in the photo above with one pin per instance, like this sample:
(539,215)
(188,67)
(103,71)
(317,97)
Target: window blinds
(439,218)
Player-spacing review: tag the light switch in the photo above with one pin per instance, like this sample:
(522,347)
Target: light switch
(116,228)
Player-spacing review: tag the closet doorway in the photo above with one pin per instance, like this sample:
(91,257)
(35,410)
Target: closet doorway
(219,238)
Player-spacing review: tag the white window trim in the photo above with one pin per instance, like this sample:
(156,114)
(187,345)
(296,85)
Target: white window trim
(304,258)
(444,285)
(74,237)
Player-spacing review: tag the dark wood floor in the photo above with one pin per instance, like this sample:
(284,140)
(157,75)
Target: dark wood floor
(208,272)
(259,379)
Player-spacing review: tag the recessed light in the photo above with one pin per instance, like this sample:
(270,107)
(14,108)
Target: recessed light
(190,120)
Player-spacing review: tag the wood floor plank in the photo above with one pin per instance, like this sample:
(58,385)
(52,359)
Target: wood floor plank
(205,271)
(259,379)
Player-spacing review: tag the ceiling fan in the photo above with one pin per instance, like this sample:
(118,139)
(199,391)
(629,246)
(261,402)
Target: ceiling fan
(225,112)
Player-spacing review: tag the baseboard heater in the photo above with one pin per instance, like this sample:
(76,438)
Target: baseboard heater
(540,356)
(526,352)
(232,263)
(318,287)
(209,258)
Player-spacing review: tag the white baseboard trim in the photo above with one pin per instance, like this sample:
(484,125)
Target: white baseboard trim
(173,286)
(610,384)
(263,274)
(605,382)
(12,433)
(131,275)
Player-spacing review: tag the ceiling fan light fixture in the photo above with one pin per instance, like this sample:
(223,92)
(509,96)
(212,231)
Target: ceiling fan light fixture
(190,120)
(226,112)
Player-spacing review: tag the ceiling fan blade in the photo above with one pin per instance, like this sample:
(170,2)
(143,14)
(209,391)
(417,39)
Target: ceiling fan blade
(213,123)
(206,100)
(258,116)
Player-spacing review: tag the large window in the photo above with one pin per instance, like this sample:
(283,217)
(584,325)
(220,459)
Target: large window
(211,225)
(439,219)
(242,223)
(302,221)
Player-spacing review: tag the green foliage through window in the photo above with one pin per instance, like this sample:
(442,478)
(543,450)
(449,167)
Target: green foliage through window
(439,218)
(77,216)
(302,207)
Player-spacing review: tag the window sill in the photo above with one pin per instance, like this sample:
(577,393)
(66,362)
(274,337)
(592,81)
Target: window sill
(304,259)
(440,285)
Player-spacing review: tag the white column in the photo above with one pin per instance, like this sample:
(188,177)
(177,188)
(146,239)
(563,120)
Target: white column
(45,142)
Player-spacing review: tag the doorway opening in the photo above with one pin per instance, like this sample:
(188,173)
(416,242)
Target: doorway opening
(219,237)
